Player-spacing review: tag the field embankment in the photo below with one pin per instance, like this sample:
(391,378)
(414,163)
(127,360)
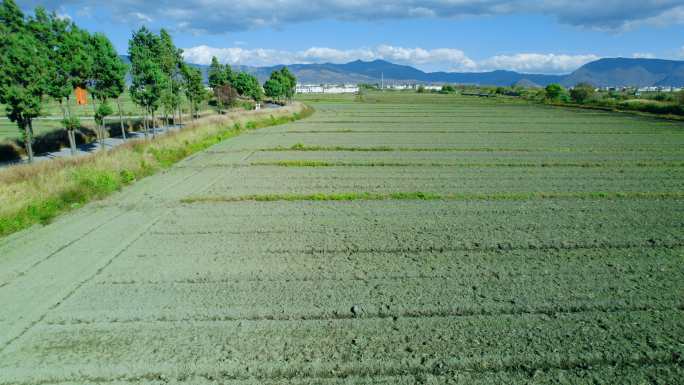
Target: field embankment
(38,192)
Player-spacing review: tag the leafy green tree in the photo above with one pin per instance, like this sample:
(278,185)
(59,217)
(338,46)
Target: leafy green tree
(171,60)
(193,87)
(216,74)
(148,77)
(103,110)
(108,76)
(12,18)
(288,82)
(69,65)
(680,98)
(52,31)
(248,85)
(447,89)
(581,92)
(273,88)
(24,71)
(229,75)
(554,91)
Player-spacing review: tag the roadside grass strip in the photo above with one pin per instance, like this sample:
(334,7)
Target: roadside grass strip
(428,196)
(37,193)
(322,163)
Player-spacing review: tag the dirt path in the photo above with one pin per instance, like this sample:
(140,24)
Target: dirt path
(227,289)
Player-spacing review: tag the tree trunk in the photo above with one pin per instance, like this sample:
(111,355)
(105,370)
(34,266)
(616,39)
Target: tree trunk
(123,129)
(70,137)
(28,139)
(97,126)
(154,125)
(180,115)
(145,125)
(70,132)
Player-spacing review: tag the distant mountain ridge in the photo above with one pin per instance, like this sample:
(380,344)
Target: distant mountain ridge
(610,72)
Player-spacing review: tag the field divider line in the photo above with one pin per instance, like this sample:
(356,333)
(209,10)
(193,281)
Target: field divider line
(325,163)
(428,196)
(339,314)
(488,132)
(125,247)
(498,248)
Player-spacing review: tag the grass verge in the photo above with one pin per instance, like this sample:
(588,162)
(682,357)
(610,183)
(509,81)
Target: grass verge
(427,196)
(37,193)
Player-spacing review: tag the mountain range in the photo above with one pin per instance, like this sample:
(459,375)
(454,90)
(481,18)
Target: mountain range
(609,72)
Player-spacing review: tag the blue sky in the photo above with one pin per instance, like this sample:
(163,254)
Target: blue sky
(545,36)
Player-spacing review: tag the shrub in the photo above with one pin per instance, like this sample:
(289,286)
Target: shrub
(554,91)
(448,89)
(581,92)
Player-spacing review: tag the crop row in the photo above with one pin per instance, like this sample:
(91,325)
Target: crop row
(351,347)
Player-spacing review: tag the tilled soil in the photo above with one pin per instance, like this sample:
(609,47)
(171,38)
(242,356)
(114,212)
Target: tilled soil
(158,285)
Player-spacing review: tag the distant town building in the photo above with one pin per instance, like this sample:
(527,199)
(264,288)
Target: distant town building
(433,88)
(326,89)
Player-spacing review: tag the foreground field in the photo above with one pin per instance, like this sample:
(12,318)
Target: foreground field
(404,239)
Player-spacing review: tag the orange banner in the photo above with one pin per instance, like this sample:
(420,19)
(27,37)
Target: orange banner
(81,96)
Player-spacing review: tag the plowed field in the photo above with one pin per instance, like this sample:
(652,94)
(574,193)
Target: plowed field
(403,239)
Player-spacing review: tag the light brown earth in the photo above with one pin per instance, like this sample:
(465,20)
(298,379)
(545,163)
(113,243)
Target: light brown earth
(142,288)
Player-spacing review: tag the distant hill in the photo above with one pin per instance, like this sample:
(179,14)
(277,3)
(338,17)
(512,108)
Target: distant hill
(602,73)
(629,72)
(526,83)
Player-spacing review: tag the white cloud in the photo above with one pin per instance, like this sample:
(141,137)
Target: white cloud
(643,55)
(537,63)
(446,59)
(219,16)
(140,17)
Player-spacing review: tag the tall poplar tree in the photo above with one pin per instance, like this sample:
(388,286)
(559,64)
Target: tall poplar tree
(148,78)
(217,73)
(107,79)
(171,59)
(194,89)
(24,70)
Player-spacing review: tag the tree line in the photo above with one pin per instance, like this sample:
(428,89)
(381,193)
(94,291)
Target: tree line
(227,85)
(43,57)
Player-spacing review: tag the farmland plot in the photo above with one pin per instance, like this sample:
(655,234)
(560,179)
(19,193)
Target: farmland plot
(403,239)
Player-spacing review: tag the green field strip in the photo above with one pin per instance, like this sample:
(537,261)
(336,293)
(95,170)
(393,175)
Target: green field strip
(427,196)
(314,148)
(324,163)
(475,131)
(300,147)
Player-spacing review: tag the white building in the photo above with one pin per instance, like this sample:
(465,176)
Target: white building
(327,89)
